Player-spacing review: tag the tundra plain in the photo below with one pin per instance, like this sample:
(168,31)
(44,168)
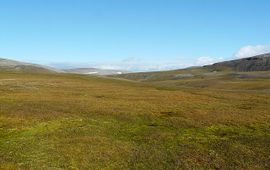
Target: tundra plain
(68,121)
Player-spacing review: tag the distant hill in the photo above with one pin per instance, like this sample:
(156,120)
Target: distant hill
(12,65)
(248,65)
(256,63)
(17,66)
(94,71)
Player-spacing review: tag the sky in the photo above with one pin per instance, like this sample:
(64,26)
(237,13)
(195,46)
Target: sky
(134,35)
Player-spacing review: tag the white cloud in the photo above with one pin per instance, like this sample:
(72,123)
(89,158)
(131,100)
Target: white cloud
(201,61)
(130,64)
(138,65)
(249,51)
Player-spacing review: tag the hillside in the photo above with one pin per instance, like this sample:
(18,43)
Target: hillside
(67,121)
(257,66)
(256,63)
(16,66)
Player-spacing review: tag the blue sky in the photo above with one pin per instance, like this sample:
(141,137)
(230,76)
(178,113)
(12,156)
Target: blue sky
(135,35)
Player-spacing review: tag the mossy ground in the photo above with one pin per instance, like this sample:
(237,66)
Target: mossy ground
(58,121)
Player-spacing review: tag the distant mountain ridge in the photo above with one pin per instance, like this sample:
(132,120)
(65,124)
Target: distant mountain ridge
(256,63)
(12,65)
(250,64)
(17,66)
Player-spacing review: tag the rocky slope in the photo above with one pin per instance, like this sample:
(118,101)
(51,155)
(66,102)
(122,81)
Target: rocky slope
(256,63)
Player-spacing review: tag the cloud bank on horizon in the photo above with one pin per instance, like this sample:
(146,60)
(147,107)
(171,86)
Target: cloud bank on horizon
(137,65)
(129,64)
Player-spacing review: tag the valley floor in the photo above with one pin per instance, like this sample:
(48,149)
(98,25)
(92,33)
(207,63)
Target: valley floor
(62,121)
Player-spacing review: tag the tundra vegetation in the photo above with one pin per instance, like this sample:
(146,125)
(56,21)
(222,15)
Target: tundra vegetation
(69,121)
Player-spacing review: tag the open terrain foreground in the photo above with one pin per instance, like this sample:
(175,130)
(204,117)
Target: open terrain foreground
(66,121)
